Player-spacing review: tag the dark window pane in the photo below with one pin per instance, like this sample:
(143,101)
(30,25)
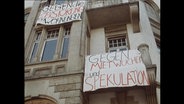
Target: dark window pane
(49,50)
(34,52)
(110,41)
(112,50)
(65,48)
(110,45)
(38,36)
(122,49)
(115,45)
(123,39)
(59,1)
(26,16)
(119,44)
(124,44)
(119,40)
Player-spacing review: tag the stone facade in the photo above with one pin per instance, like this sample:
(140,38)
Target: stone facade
(60,81)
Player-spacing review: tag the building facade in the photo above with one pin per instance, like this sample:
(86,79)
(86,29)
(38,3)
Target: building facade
(55,53)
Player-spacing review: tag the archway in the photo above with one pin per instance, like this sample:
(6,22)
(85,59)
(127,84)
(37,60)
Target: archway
(39,100)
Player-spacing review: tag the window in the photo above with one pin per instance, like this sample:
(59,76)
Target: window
(48,2)
(50,45)
(35,46)
(61,1)
(64,52)
(157,40)
(116,38)
(116,44)
(26,16)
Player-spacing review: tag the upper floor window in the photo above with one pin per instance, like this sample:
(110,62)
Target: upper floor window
(157,40)
(62,1)
(50,45)
(35,46)
(59,2)
(116,44)
(65,45)
(47,2)
(26,16)
(116,38)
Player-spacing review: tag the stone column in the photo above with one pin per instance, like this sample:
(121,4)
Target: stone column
(151,70)
(30,21)
(59,43)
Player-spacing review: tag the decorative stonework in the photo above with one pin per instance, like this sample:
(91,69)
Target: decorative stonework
(39,101)
(44,71)
(60,69)
(27,72)
(41,71)
(144,49)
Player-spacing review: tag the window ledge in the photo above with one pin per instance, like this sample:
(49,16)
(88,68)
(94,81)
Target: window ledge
(45,62)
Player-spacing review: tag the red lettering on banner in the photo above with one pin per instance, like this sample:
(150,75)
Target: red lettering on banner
(115,70)
(129,78)
(94,65)
(114,79)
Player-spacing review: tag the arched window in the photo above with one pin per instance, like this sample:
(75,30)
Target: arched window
(39,101)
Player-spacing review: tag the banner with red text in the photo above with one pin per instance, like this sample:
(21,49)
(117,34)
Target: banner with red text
(58,14)
(116,69)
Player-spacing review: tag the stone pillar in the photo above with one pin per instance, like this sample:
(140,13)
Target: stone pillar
(151,70)
(31,21)
(59,43)
(150,90)
(144,49)
(74,62)
(134,16)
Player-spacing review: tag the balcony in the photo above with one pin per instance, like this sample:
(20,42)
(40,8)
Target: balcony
(103,3)
(101,13)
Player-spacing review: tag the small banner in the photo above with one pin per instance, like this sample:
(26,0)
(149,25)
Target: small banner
(116,69)
(58,14)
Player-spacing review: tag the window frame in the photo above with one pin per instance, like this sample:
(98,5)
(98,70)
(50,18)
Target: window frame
(116,37)
(63,38)
(38,34)
(43,49)
(47,40)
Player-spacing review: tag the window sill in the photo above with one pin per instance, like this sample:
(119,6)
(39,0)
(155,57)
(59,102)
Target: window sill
(45,62)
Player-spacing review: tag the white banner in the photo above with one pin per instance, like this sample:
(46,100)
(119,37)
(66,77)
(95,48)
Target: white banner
(116,69)
(58,14)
